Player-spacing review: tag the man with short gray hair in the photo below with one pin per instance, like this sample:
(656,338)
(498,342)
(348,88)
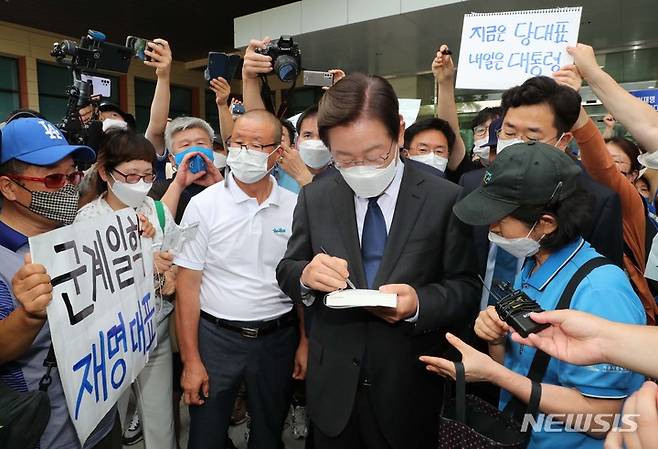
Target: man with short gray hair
(175,141)
(233,321)
(186,134)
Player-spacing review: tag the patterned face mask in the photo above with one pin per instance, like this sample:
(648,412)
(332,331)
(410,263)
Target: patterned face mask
(60,205)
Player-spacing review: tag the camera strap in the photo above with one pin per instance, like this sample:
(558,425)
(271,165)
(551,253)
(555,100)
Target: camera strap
(266,94)
(540,362)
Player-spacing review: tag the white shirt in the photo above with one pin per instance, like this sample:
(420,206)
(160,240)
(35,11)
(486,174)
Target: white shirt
(238,245)
(488,275)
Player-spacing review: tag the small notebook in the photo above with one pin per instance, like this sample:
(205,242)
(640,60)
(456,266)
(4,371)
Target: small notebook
(343,299)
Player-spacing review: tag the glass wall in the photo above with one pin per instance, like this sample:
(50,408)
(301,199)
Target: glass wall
(9,86)
(180,103)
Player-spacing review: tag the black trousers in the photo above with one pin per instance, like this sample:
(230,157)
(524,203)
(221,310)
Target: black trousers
(361,432)
(265,364)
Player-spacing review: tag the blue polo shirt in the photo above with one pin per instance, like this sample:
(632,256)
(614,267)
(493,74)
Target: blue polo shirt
(24,373)
(605,292)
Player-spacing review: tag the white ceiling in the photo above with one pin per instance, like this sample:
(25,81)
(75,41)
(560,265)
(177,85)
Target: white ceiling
(405,44)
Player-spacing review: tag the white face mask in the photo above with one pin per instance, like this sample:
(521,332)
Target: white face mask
(649,160)
(132,195)
(368,181)
(480,152)
(431,159)
(248,166)
(220,160)
(502,144)
(314,153)
(520,247)
(110,123)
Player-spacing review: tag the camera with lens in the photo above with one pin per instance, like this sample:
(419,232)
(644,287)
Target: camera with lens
(91,54)
(286,58)
(514,308)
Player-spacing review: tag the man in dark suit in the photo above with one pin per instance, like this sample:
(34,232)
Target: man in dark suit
(383,224)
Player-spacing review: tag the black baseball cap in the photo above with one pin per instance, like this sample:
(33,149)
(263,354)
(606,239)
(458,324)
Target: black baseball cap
(107,105)
(531,174)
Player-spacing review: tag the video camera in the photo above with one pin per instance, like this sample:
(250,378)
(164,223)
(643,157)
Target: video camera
(286,58)
(92,53)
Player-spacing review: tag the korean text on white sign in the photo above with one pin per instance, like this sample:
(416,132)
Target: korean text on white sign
(502,50)
(102,315)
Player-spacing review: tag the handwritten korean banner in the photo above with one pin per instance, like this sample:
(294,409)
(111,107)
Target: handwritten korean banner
(102,316)
(502,50)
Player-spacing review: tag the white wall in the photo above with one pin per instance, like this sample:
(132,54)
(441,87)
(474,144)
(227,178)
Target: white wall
(307,16)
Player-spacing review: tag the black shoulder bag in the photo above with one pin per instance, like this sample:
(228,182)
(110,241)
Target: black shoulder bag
(24,416)
(468,421)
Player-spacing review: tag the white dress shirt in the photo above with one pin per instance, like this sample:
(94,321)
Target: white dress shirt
(238,246)
(488,275)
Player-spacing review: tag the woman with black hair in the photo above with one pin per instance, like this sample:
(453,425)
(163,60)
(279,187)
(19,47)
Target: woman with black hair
(123,177)
(536,210)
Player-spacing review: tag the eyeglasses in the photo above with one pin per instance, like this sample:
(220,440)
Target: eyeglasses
(134,179)
(526,139)
(480,131)
(253,147)
(424,149)
(54,181)
(377,162)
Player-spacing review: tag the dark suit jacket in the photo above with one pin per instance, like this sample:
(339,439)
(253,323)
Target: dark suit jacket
(427,248)
(605,232)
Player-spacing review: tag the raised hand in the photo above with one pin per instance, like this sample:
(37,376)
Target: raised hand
(222,90)
(569,76)
(443,67)
(338,74)
(584,59)
(256,64)
(160,53)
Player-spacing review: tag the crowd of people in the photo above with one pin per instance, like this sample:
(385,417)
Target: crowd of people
(352,197)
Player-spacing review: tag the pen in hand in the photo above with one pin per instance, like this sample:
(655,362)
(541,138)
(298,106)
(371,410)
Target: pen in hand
(349,283)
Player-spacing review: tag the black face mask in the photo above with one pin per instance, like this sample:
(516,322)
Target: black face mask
(60,206)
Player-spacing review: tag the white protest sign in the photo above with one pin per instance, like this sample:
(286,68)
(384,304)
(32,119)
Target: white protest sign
(409,109)
(502,50)
(102,315)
